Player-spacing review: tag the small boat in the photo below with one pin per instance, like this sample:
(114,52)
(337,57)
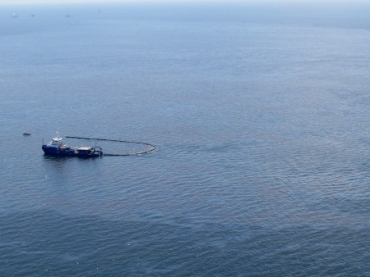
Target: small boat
(56,147)
(26,133)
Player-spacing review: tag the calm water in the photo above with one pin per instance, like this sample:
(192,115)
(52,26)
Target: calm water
(261,122)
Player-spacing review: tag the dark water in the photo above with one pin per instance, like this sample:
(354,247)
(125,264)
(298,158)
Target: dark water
(261,119)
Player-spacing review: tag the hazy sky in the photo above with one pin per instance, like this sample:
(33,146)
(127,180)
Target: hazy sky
(12,2)
(107,1)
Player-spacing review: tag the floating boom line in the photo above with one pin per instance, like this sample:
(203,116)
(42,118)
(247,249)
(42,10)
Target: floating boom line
(151,146)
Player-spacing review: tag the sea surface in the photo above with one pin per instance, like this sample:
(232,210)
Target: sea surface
(260,116)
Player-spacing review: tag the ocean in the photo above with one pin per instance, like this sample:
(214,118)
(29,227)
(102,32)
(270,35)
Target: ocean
(260,118)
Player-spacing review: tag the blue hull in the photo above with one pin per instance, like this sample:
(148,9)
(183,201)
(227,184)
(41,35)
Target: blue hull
(71,152)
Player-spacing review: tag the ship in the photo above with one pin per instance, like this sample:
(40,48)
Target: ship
(56,147)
